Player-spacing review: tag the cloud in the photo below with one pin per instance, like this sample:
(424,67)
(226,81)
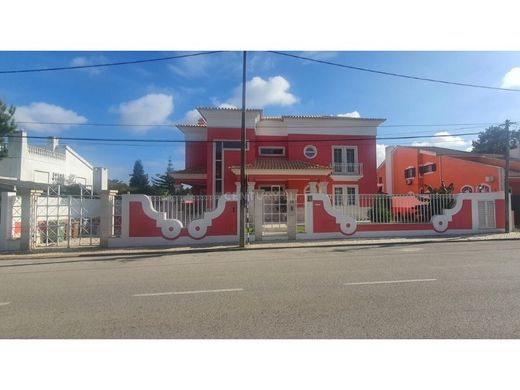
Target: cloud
(353,114)
(91,60)
(191,117)
(512,78)
(191,67)
(380,151)
(153,109)
(261,93)
(45,112)
(226,105)
(443,139)
(318,55)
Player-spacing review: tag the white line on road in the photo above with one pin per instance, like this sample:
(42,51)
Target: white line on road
(188,292)
(390,281)
(4,303)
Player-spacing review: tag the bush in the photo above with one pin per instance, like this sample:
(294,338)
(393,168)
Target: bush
(380,212)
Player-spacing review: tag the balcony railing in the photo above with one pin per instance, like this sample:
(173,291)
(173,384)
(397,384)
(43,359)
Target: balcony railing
(347,169)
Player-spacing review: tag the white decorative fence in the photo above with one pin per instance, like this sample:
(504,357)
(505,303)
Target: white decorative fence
(185,208)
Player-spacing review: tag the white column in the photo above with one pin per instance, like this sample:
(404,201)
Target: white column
(312,187)
(107,216)
(259,214)
(6,218)
(29,201)
(322,187)
(291,214)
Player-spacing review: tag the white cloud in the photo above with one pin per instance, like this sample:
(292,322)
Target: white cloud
(153,109)
(91,60)
(192,117)
(49,113)
(443,139)
(190,67)
(380,150)
(353,114)
(318,55)
(226,105)
(512,78)
(261,93)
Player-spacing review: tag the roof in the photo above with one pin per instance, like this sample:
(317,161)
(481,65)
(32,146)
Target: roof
(279,164)
(191,170)
(331,117)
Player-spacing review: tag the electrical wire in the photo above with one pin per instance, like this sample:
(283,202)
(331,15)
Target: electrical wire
(392,73)
(13,71)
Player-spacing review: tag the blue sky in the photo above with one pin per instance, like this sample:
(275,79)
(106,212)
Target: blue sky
(167,92)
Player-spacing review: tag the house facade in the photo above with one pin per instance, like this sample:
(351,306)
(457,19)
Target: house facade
(336,154)
(51,163)
(410,169)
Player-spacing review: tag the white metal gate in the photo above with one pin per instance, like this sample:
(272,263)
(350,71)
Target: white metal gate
(486,214)
(274,216)
(66,220)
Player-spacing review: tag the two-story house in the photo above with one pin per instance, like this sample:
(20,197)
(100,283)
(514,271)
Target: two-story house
(283,152)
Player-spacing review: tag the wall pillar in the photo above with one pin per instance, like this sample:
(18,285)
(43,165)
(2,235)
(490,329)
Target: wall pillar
(322,187)
(312,187)
(107,216)
(259,214)
(29,202)
(291,214)
(6,218)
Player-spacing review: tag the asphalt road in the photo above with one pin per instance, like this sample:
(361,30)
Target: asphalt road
(440,290)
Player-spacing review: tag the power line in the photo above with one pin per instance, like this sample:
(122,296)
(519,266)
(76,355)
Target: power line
(250,141)
(108,63)
(174,125)
(393,74)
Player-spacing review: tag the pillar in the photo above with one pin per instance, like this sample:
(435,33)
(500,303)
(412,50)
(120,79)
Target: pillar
(291,214)
(29,202)
(6,218)
(259,213)
(322,187)
(312,187)
(106,222)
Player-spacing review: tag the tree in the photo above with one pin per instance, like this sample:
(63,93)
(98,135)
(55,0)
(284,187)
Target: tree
(492,140)
(119,185)
(164,184)
(139,180)
(7,125)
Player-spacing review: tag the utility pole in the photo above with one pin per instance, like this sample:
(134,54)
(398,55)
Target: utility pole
(243,182)
(506,178)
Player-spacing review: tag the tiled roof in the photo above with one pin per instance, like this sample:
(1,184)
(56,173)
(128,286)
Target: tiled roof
(228,109)
(329,117)
(282,164)
(192,171)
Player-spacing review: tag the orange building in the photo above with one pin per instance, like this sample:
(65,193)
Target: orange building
(410,169)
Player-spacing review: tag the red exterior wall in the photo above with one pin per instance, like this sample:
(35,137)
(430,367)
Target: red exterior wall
(195,156)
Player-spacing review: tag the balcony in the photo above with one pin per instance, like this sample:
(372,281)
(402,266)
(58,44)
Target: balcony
(347,169)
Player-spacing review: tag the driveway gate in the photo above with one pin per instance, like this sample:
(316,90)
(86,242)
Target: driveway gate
(275,212)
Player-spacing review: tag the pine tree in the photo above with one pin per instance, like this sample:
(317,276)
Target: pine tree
(164,184)
(7,125)
(139,180)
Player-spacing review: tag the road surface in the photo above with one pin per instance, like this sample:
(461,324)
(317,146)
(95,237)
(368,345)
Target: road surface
(436,290)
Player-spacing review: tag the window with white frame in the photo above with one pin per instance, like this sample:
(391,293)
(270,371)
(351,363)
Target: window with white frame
(345,195)
(466,189)
(409,173)
(271,151)
(344,159)
(310,151)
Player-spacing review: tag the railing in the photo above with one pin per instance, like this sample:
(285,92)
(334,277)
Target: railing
(185,208)
(347,169)
(45,152)
(382,208)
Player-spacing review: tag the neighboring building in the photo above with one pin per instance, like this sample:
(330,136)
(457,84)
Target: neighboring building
(52,163)
(285,152)
(411,168)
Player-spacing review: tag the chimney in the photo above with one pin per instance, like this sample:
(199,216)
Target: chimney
(52,143)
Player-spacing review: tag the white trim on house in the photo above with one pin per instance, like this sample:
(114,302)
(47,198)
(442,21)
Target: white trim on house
(271,147)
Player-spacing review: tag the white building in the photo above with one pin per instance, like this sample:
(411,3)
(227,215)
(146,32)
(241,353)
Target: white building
(52,163)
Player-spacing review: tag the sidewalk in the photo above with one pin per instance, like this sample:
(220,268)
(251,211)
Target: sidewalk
(64,253)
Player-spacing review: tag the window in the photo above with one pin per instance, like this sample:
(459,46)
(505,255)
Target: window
(58,178)
(409,173)
(220,147)
(310,151)
(271,151)
(466,189)
(345,195)
(483,188)
(344,159)
(427,168)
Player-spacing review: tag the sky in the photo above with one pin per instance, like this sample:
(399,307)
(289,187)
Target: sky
(161,94)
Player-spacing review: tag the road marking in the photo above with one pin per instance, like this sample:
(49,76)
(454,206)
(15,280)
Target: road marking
(188,292)
(390,281)
(4,303)
(411,249)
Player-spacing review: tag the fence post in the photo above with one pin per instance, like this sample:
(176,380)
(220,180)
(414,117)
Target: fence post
(291,214)
(259,214)
(6,218)
(107,216)
(29,218)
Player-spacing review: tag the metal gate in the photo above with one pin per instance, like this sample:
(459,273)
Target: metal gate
(274,212)
(67,220)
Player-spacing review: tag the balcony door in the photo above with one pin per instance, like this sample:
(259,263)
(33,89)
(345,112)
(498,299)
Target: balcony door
(344,159)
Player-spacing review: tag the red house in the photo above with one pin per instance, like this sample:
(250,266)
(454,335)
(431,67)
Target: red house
(338,154)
